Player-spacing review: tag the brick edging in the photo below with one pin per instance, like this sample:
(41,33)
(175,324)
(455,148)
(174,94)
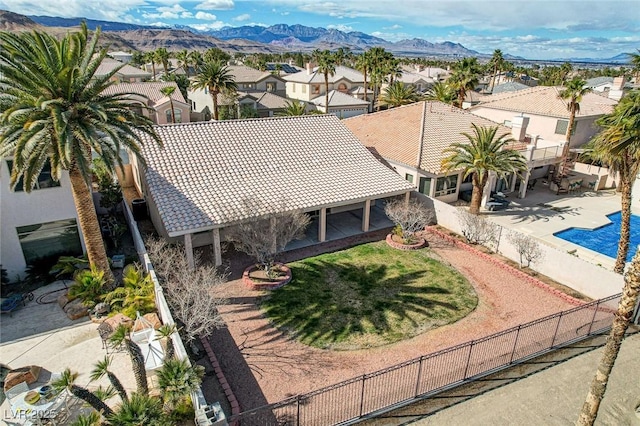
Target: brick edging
(507,267)
(399,246)
(235,405)
(266,285)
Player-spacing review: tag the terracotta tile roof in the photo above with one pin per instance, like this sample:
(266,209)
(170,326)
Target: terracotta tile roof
(200,177)
(511,86)
(544,100)
(109,64)
(339,99)
(265,100)
(317,77)
(397,133)
(244,74)
(149,89)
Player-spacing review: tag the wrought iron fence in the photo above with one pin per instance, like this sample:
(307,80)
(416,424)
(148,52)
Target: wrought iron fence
(375,393)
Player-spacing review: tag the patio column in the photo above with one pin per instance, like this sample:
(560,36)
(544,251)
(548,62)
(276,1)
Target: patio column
(513,182)
(407,197)
(322,225)
(217,250)
(188,248)
(366,213)
(523,185)
(486,193)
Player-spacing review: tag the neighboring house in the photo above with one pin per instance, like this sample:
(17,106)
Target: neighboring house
(124,57)
(341,105)
(251,79)
(548,114)
(36,225)
(126,74)
(282,68)
(419,82)
(510,86)
(197,183)
(612,87)
(412,139)
(430,73)
(266,104)
(150,95)
(309,84)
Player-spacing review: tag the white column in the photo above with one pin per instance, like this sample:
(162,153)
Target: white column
(486,193)
(514,180)
(217,250)
(322,225)
(523,185)
(188,248)
(407,197)
(366,213)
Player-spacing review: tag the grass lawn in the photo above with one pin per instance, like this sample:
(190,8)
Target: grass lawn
(368,296)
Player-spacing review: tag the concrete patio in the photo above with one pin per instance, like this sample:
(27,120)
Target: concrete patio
(543,213)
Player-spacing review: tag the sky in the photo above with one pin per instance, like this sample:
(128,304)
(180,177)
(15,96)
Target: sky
(534,29)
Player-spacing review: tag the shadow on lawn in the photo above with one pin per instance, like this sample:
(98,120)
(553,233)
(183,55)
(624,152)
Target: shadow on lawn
(328,302)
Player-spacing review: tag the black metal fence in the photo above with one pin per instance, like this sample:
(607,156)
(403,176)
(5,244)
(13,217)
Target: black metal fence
(381,391)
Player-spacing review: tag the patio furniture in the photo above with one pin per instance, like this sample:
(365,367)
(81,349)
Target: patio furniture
(14,301)
(16,390)
(497,204)
(32,406)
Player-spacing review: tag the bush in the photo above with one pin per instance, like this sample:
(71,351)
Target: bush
(478,230)
(410,217)
(135,295)
(88,285)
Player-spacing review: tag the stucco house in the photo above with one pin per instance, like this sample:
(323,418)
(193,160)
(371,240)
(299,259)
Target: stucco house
(149,94)
(341,105)
(197,183)
(36,225)
(411,140)
(126,74)
(309,84)
(265,104)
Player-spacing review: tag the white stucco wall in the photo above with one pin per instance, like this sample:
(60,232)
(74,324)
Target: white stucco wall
(21,209)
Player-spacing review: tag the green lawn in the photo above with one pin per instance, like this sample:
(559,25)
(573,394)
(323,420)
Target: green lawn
(368,296)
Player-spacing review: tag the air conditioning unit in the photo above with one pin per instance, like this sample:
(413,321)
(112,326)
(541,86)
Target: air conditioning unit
(211,415)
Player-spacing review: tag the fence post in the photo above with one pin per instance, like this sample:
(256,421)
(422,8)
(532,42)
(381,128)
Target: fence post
(515,344)
(466,369)
(595,311)
(557,327)
(419,376)
(364,377)
(298,410)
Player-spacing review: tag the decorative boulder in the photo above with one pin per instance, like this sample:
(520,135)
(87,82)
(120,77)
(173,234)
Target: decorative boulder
(76,309)
(101,309)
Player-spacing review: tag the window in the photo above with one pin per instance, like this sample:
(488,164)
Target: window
(272,87)
(177,112)
(561,127)
(49,239)
(304,88)
(44,179)
(342,87)
(425,186)
(293,87)
(468,179)
(316,89)
(507,123)
(409,177)
(446,185)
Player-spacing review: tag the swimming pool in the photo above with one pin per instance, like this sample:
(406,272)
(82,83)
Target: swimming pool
(604,239)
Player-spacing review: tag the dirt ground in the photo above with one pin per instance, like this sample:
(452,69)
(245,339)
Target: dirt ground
(263,365)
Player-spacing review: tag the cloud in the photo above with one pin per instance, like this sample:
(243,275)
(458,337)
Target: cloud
(169,12)
(215,5)
(340,27)
(209,26)
(204,16)
(393,27)
(243,17)
(392,36)
(112,10)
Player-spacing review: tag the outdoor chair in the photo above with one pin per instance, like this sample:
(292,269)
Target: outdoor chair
(21,387)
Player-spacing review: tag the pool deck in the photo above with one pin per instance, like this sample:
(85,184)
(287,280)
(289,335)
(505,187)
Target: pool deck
(543,213)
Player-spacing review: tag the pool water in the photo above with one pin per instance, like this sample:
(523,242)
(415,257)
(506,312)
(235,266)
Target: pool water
(604,239)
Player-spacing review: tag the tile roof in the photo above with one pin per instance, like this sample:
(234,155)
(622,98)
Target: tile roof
(284,67)
(544,100)
(410,77)
(597,81)
(339,99)
(511,86)
(108,64)
(265,100)
(396,133)
(342,72)
(148,89)
(203,173)
(244,74)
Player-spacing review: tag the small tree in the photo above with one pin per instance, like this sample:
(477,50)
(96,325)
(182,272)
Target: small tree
(263,237)
(409,217)
(527,248)
(177,379)
(190,293)
(478,230)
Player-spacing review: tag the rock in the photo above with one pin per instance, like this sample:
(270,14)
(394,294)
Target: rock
(76,310)
(151,318)
(63,299)
(101,309)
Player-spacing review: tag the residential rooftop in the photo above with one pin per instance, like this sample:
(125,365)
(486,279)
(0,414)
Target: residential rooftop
(108,65)
(314,76)
(339,99)
(150,90)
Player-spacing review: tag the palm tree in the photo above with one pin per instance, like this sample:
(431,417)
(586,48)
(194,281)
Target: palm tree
(121,337)
(634,59)
(195,60)
(326,66)
(162,57)
(166,331)
(140,410)
(621,321)
(441,92)
(464,78)
(101,368)
(485,152)
(363,64)
(183,60)
(573,92)
(91,419)
(53,111)
(618,146)
(217,78)
(397,94)
(293,108)
(66,382)
(497,60)
(151,57)
(177,379)
(168,91)
(378,59)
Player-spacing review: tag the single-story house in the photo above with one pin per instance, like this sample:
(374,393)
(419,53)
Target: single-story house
(196,184)
(341,105)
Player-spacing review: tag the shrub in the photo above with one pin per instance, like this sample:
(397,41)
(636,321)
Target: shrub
(135,295)
(410,217)
(478,230)
(88,285)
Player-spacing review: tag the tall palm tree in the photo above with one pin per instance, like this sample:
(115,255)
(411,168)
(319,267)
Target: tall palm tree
(634,59)
(397,94)
(326,66)
(162,57)
(217,78)
(140,410)
(621,321)
(485,152)
(618,146)
(363,64)
(101,368)
(177,379)
(441,92)
(293,108)
(572,94)
(195,60)
(121,337)
(53,111)
(151,57)
(497,60)
(168,91)
(464,78)
(165,332)
(66,382)
(183,60)
(378,60)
